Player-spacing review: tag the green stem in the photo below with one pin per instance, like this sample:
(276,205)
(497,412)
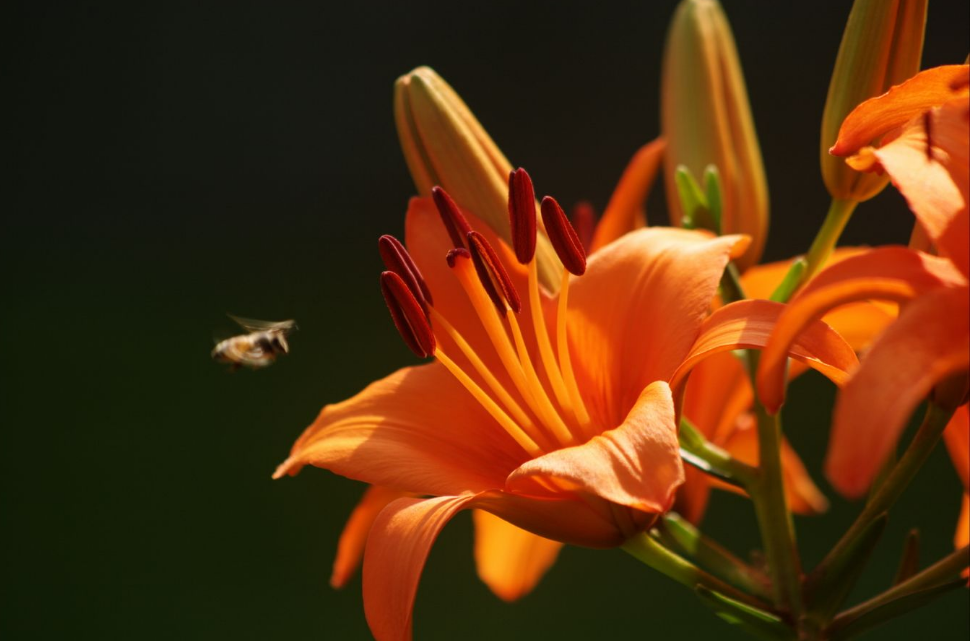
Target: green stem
(828,235)
(938,577)
(774,515)
(712,557)
(720,462)
(649,551)
(926,438)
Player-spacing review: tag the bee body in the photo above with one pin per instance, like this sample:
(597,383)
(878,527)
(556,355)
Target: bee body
(257,349)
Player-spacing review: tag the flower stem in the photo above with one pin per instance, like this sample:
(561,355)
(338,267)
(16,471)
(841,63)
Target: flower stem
(649,551)
(679,534)
(774,515)
(926,438)
(719,462)
(828,235)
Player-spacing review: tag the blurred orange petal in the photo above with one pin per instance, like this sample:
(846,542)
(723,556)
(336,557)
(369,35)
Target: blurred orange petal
(510,560)
(877,116)
(625,211)
(928,343)
(350,547)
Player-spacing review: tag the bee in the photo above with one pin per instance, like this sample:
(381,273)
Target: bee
(258,348)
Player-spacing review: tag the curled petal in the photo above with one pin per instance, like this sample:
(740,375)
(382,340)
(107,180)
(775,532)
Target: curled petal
(928,163)
(636,464)
(402,432)
(891,273)
(396,552)
(928,343)
(510,560)
(880,115)
(962,535)
(624,213)
(350,547)
(749,324)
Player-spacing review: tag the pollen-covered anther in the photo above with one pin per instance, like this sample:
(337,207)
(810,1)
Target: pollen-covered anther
(451,216)
(492,273)
(563,237)
(522,215)
(407,314)
(397,259)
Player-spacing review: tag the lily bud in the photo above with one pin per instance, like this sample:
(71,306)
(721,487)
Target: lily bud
(706,120)
(881,47)
(444,144)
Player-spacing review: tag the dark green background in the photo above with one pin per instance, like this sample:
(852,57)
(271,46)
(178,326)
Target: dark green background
(177,161)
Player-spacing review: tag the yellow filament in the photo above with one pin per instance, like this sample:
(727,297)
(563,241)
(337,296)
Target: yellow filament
(565,362)
(547,411)
(486,312)
(545,345)
(510,426)
(439,321)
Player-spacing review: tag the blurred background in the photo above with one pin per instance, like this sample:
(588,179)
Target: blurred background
(177,161)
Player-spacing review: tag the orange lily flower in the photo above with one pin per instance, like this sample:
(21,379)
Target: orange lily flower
(925,121)
(555,414)
(957,438)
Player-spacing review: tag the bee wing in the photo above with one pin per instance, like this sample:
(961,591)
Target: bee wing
(253,325)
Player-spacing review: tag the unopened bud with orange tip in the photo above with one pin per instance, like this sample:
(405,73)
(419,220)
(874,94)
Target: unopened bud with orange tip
(881,47)
(444,144)
(706,120)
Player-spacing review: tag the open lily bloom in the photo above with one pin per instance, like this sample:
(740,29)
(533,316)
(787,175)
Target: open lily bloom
(925,121)
(554,414)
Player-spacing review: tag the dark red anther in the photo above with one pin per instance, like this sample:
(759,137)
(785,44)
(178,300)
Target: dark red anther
(563,237)
(454,254)
(522,215)
(407,315)
(451,216)
(397,259)
(492,273)
(584,222)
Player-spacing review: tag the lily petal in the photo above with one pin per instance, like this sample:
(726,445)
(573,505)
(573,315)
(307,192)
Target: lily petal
(510,560)
(624,213)
(652,282)
(880,115)
(749,324)
(962,536)
(636,464)
(418,430)
(858,323)
(928,343)
(928,163)
(888,273)
(395,556)
(350,547)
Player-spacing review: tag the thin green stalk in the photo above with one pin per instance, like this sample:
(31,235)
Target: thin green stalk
(828,235)
(719,462)
(712,557)
(649,551)
(774,515)
(911,593)
(926,438)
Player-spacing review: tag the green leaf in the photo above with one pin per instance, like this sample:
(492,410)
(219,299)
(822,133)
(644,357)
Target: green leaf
(715,203)
(692,198)
(909,561)
(852,623)
(790,282)
(757,622)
